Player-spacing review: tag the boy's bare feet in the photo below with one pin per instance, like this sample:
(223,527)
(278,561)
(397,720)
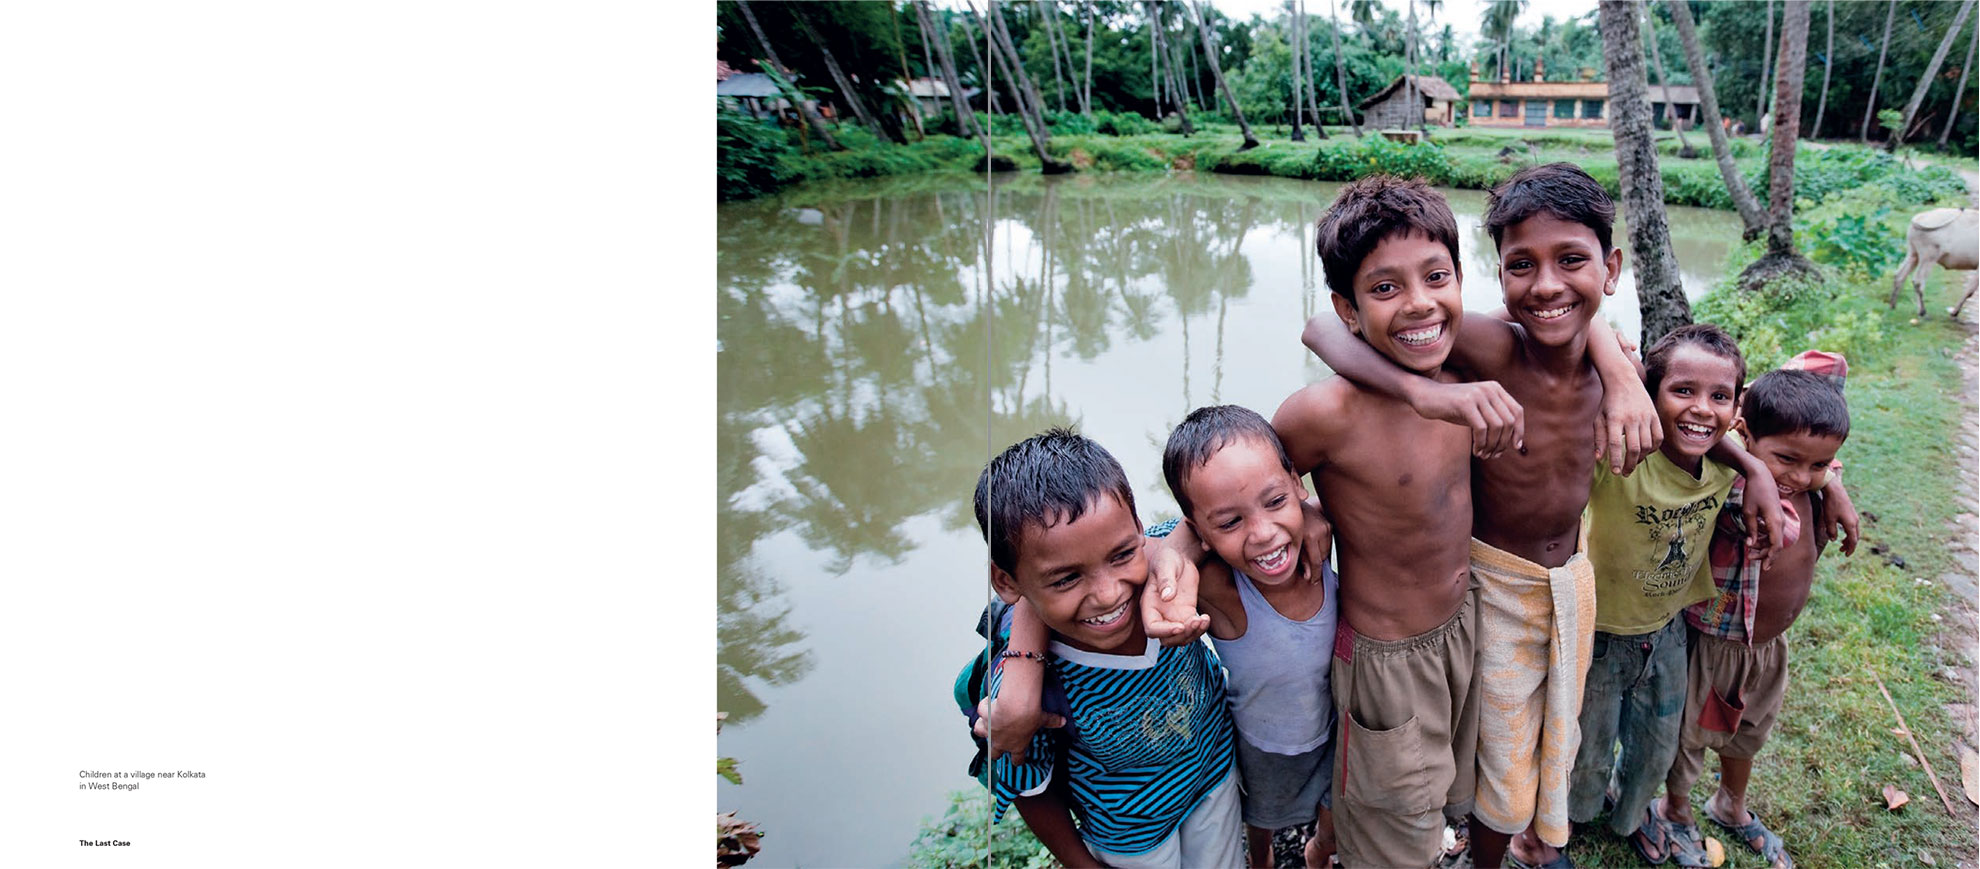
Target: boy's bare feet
(1530,850)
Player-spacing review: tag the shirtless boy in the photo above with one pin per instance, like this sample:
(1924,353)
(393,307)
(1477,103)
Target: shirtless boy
(1395,486)
(1536,588)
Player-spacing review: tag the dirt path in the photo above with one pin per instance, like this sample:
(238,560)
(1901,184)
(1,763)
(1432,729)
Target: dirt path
(1961,631)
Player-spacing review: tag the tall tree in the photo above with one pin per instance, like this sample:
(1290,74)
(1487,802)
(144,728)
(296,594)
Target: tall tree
(1179,98)
(1664,81)
(1217,72)
(1828,64)
(1086,87)
(1931,72)
(1870,110)
(1766,60)
(1750,215)
(1659,292)
(1781,258)
(1340,68)
(1048,10)
(1005,52)
(1498,27)
(907,78)
(1409,74)
(804,106)
(1312,80)
(1299,108)
(839,78)
(982,68)
(1959,92)
(965,118)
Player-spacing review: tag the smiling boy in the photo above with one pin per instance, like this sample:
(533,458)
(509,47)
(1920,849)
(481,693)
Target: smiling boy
(1396,488)
(1150,768)
(1559,365)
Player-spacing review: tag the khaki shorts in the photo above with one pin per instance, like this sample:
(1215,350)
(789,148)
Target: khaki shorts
(1756,676)
(1406,739)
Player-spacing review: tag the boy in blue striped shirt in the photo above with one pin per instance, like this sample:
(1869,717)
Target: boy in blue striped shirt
(1150,768)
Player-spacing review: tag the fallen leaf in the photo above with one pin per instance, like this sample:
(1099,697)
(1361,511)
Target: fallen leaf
(1926,858)
(1895,799)
(1969,774)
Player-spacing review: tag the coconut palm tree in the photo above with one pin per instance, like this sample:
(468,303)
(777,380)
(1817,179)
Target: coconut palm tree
(839,78)
(1870,110)
(1086,87)
(804,107)
(1766,60)
(1781,258)
(1178,97)
(1660,294)
(1657,59)
(1217,73)
(1959,93)
(965,118)
(1298,107)
(1340,68)
(1750,215)
(1498,26)
(1828,64)
(1931,72)
(1004,52)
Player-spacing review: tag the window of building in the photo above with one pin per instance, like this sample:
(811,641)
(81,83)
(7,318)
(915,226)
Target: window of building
(1481,108)
(1564,108)
(1591,108)
(1508,108)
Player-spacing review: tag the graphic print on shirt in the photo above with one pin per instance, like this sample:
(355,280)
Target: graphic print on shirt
(1146,728)
(1682,530)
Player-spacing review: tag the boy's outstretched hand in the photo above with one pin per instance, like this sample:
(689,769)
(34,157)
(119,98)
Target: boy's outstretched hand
(1168,600)
(1627,430)
(1763,515)
(1496,420)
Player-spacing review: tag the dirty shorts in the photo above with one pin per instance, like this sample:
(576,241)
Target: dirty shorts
(1406,739)
(1284,790)
(1535,629)
(1750,683)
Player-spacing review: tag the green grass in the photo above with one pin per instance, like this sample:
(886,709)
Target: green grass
(1819,780)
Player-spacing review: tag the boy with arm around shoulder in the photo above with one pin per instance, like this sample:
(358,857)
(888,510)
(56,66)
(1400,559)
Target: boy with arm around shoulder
(1794,421)
(1554,366)
(1397,490)
(1151,766)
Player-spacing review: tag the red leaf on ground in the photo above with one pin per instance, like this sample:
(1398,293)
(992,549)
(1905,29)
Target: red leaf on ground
(1895,799)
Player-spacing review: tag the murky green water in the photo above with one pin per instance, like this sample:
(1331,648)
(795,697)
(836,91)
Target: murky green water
(870,362)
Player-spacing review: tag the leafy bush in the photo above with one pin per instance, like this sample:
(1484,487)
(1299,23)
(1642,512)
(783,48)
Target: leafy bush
(749,155)
(1122,123)
(1792,316)
(956,840)
(1863,243)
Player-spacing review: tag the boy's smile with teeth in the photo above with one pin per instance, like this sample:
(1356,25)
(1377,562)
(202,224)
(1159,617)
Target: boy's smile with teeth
(1245,506)
(1695,400)
(1407,300)
(1083,577)
(1554,274)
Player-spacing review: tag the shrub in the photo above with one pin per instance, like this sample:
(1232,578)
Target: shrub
(955,841)
(749,155)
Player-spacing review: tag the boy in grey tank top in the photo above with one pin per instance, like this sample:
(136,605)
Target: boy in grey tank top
(1273,630)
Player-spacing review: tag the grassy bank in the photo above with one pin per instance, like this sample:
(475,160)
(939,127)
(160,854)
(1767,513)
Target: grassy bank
(753,159)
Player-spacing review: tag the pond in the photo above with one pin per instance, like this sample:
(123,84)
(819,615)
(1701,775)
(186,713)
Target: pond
(870,361)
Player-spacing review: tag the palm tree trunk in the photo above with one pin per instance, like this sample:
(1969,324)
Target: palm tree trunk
(1766,60)
(1828,65)
(1340,68)
(907,78)
(1793,60)
(1086,89)
(1049,11)
(1664,81)
(1178,97)
(1312,81)
(1409,75)
(1005,52)
(1660,294)
(853,101)
(1870,111)
(1750,215)
(982,68)
(1298,107)
(1154,55)
(1959,93)
(1217,73)
(804,107)
(965,117)
(1931,72)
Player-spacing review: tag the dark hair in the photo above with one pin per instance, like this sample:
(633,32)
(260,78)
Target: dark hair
(1795,401)
(1053,473)
(1207,430)
(1373,209)
(1559,189)
(1713,339)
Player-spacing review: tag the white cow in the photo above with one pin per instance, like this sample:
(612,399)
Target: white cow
(1947,236)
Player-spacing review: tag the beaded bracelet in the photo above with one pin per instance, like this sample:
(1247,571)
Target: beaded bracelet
(1014,653)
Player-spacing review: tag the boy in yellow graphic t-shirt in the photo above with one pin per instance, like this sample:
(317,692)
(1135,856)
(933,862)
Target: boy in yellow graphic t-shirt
(1647,538)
